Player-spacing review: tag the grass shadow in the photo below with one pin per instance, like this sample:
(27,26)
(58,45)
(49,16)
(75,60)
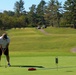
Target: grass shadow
(61,67)
(27,66)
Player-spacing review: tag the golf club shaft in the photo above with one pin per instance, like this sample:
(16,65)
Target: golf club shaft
(0,63)
(5,62)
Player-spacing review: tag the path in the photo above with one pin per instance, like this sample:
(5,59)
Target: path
(42,30)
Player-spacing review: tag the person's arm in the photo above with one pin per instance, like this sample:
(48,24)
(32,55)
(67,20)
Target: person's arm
(0,46)
(0,43)
(7,45)
(8,40)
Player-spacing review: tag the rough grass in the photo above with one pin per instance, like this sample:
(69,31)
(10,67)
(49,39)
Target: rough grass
(60,41)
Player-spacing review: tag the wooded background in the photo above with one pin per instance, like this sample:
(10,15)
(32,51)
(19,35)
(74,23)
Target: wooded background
(44,14)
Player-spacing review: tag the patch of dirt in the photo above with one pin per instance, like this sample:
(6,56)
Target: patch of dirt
(73,50)
(42,30)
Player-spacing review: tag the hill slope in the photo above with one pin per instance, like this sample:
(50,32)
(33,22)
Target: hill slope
(58,41)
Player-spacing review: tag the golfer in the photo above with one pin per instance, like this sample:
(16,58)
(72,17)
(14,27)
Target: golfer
(4,44)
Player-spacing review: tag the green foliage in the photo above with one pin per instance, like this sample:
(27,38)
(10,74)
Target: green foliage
(32,17)
(41,8)
(53,13)
(1,32)
(19,7)
(70,14)
(9,13)
(50,13)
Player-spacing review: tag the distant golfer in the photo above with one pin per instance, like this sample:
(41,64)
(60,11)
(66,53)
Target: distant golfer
(4,44)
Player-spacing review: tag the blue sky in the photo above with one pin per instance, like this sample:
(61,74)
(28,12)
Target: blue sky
(9,4)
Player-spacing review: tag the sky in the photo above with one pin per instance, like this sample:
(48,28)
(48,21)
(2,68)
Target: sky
(9,4)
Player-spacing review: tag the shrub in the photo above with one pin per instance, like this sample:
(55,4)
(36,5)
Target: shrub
(1,32)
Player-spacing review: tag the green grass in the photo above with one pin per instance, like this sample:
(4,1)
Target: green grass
(66,66)
(31,47)
(53,30)
(59,41)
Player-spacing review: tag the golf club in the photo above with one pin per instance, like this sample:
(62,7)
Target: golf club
(5,63)
(0,63)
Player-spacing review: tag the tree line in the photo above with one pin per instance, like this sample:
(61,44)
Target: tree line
(52,13)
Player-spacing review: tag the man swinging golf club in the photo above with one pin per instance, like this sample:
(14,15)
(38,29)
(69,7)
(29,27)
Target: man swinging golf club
(4,43)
